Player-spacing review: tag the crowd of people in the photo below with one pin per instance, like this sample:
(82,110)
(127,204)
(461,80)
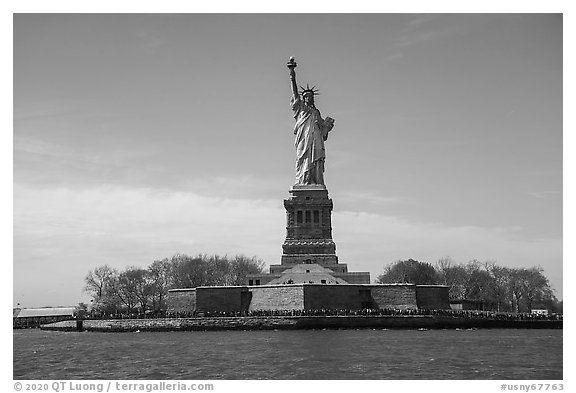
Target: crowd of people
(332,312)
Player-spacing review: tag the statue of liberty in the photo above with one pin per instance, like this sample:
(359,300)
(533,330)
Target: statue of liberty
(310,130)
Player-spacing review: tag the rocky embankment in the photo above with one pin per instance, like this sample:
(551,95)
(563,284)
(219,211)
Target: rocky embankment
(297,322)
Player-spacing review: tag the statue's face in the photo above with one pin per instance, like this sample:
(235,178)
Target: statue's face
(308,98)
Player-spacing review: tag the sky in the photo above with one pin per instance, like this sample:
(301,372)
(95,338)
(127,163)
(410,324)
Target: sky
(139,136)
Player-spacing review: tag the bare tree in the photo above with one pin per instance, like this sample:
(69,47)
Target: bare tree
(191,272)
(409,271)
(133,289)
(188,272)
(241,266)
(517,278)
(478,283)
(98,281)
(443,268)
(159,277)
(500,284)
(534,286)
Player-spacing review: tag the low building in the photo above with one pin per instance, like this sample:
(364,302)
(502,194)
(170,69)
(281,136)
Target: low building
(34,317)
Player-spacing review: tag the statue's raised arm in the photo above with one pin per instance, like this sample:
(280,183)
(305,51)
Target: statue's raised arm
(291,65)
(310,130)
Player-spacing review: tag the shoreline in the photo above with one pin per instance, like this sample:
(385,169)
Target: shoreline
(297,323)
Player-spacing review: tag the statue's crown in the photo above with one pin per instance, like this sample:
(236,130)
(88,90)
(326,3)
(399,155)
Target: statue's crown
(309,89)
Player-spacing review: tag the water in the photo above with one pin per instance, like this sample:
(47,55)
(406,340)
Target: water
(305,354)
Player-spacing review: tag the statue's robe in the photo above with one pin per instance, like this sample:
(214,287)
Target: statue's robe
(311,131)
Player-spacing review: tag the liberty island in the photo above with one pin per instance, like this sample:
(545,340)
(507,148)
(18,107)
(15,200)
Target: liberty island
(310,288)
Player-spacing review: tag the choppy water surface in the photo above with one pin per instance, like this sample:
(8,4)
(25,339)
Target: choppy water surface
(306,354)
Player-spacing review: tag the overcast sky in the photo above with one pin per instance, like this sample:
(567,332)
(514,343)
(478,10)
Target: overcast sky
(137,137)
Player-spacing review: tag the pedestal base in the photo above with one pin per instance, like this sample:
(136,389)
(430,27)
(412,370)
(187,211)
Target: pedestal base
(309,227)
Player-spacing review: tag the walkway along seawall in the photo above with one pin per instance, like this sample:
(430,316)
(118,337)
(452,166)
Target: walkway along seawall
(298,322)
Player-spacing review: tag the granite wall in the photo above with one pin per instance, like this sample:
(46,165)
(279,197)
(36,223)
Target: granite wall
(432,297)
(181,300)
(309,297)
(350,297)
(282,297)
(401,296)
(228,299)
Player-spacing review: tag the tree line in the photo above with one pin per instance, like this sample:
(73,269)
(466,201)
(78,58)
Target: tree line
(137,289)
(144,290)
(491,286)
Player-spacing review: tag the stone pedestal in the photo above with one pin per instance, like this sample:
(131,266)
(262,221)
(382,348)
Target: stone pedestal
(309,227)
(308,253)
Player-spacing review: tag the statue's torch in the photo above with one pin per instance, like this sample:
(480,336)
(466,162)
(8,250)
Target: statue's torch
(291,63)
